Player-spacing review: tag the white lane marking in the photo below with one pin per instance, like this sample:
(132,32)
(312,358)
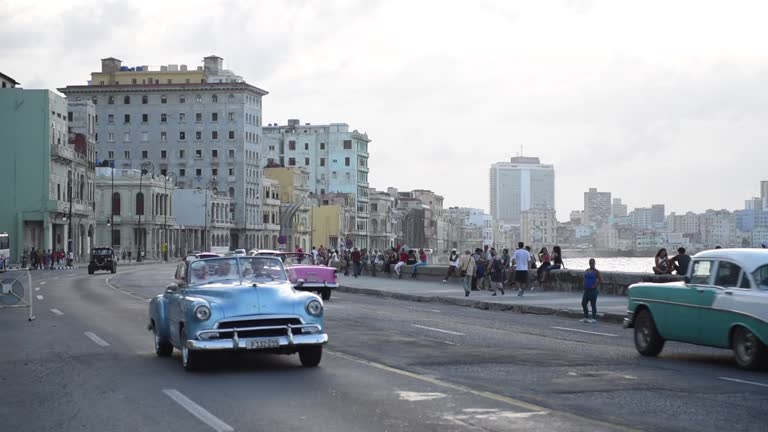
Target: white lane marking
(109,284)
(438,340)
(198,411)
(416,396)
(584,331)
(743,381)
(39,297)
(57,312)
(99,341)
(437,330)
(422,310)
(43,283)
(37,288)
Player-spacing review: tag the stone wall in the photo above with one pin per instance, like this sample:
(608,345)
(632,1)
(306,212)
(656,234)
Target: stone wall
(615,283)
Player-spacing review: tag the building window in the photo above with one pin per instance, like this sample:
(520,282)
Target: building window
(110,136)
(111,100)
(145,136)
(198,117)
(182,154)
(231,116)
(214,171)
(163,154)
(140,203)
(127,136)
(198,172)
(322,146)
(182,117)
(215,98)
(127,154)
(126,100)
(346,161)
(182,172)
(306,161)
(144,154)
(70,115)
(199,99)
(111,155)
(198,135)
(214,117)
(127,118)
(182,99)
(347,144)
(291,145)
(144,100)
(163,136)
(292,161)
(144,118)
(198,154)
(231,171)
(322,162)
(231,135)
(111,118)
(231,98)
(182,136)
(163,99)
(215,154)
(231,153)
(306,146)
(116,204)
(163,118)
(214,135)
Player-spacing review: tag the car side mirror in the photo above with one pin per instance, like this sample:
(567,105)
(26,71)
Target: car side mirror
(172,287)
(300,283)
(687,279)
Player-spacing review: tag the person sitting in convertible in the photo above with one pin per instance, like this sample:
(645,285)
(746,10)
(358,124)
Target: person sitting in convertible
(199,273)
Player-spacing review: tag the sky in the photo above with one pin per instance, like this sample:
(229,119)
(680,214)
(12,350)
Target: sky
(655,101)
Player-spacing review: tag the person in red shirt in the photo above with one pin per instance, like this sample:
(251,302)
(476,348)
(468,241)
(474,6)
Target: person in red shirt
(401,262)
(357,261)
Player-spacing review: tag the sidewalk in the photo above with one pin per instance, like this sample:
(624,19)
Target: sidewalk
(610,308)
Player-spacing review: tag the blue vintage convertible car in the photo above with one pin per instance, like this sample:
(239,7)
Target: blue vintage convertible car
(236,303)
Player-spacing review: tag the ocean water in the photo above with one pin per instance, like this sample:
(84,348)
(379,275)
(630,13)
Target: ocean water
(620,264)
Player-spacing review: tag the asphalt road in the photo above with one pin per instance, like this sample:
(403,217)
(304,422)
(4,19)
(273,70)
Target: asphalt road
(87,364)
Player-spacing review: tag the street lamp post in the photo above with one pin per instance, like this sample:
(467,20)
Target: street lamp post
(211,185)
(69,218)
(165,211)
(146,167)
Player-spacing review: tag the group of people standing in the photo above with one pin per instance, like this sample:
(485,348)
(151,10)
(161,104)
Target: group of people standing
(488,269)
(46,259)
(357,261)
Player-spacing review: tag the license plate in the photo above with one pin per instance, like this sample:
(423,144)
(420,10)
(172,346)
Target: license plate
(263,343)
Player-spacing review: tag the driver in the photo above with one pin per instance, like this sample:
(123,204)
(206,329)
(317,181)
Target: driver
(257,268)
(224,269)
(199,272)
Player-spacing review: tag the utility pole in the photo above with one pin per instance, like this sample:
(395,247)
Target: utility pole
(165,224)
(146,167)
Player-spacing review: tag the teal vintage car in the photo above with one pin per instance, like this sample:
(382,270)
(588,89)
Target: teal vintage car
(722,303)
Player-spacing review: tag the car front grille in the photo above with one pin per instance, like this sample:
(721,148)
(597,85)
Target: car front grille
(267,322)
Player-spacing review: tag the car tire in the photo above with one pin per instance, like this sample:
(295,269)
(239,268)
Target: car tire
(114,268)
(749,351)
(163,348)
(191,360)
(648,341)
(310,356)
(325,293)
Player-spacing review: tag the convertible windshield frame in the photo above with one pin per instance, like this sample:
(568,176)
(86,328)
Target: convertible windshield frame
(236,270)
(760,276)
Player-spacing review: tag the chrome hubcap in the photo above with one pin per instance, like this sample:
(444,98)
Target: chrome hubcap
(746,346)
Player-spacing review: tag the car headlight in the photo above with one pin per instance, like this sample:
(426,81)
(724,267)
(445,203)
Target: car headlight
(202,313)
(314,308)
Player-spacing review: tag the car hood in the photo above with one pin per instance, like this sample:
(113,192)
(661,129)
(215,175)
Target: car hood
(239,300)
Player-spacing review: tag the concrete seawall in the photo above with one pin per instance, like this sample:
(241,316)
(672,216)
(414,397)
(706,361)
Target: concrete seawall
(615,283)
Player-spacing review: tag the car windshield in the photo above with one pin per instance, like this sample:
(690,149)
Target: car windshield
(761,277)
(102,252)
(233,270)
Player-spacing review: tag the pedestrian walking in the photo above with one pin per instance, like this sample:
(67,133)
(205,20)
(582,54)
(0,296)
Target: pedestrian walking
(521,260)
(592,281)
(467,271)
(453,264)
(357,261)
(496,273)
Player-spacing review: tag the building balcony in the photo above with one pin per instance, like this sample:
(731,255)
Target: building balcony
(271,202)
(67,154)
(79,207)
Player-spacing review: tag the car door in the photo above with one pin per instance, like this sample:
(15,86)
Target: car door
(736,300)
(682,312)
(174,299)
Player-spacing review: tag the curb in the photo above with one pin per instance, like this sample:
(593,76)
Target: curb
(480,304)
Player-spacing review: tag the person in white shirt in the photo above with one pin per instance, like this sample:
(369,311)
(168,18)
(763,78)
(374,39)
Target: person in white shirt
(522,263)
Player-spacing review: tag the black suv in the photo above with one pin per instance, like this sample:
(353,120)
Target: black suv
(102,258)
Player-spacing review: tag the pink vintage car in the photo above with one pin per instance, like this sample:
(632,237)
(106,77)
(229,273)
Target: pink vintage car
(303,274)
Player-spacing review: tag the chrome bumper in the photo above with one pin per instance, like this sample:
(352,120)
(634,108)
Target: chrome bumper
(629,320)
(290,339)
(315,285)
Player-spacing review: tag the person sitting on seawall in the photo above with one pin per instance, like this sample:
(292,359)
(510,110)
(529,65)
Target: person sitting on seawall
(557,263)
(422,262)
(680,262)
(662,264)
